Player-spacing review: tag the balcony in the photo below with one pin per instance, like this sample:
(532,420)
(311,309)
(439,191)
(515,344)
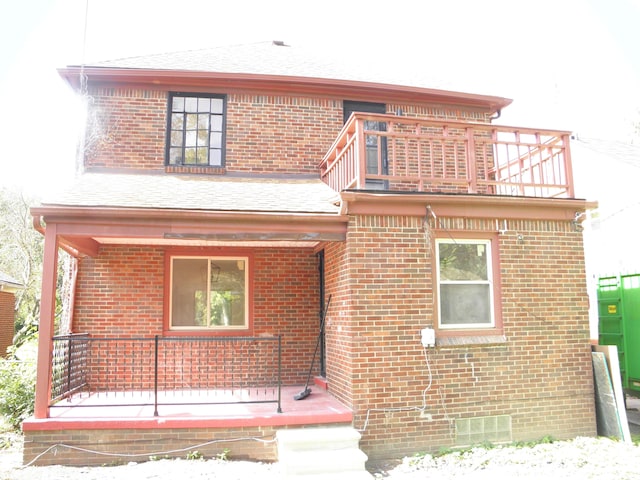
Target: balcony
(402,154)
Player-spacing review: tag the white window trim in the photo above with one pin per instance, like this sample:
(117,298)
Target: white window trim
(490,281)
(210,328)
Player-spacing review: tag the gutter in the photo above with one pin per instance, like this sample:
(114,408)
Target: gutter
(163,79)
(37,224)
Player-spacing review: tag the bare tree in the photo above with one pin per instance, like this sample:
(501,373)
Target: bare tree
(21,250)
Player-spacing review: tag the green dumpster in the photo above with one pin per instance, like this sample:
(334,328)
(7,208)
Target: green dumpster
(619,323)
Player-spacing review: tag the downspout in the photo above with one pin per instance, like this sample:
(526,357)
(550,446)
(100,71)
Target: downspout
(72,291)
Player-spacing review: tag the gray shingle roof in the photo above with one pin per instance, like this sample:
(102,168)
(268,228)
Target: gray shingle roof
(267,58)
(191,192)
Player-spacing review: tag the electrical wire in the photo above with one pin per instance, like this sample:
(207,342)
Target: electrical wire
(405,409)
(151,454)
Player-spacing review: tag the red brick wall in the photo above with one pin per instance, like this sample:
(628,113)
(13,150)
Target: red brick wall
(541,375)
(339,341)
(145,442)
(286,302)
(121,293)
(126,128)
(7,320)
(265,133)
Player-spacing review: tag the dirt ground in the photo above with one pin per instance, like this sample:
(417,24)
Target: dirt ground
(581,458)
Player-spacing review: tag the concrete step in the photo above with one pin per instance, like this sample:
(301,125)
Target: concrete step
(330,453)
(316,438)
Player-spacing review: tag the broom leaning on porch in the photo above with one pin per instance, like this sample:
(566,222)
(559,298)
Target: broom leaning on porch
(307,391)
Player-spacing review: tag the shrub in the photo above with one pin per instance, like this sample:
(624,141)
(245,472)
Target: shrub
(17,389)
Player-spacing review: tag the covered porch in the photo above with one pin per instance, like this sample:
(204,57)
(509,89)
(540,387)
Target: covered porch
(77,432)
(130,370)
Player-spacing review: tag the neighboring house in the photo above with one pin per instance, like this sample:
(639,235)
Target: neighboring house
(8,289)
(608,171)
(229,194)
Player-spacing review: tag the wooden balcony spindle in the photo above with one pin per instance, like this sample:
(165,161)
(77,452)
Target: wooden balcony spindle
(472,171)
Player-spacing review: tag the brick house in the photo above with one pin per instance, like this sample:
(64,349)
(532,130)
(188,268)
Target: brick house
(8,288)
(228,194)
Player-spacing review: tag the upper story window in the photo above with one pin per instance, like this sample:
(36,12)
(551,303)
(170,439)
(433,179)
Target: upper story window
(196,130)
(209,293)
(465,283)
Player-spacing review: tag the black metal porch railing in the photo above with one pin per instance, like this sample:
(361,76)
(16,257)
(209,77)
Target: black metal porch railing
(128,371)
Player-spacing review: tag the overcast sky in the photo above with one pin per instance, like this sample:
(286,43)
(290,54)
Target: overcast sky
(567,64)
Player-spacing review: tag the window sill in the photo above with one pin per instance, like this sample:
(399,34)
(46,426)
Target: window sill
(195,169)
(469,340)
(208,333)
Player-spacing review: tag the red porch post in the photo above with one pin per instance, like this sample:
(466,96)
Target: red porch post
(47,316)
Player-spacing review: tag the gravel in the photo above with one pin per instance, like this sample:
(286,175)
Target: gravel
(581,458)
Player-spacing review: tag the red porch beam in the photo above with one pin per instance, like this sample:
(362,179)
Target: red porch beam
(47,316)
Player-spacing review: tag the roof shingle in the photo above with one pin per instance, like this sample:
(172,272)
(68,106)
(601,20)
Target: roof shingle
(191,192)
(270,58)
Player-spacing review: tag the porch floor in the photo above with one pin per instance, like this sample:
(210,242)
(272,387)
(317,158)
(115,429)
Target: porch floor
(82,412)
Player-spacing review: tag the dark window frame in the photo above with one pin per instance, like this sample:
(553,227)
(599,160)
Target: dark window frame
(169,145)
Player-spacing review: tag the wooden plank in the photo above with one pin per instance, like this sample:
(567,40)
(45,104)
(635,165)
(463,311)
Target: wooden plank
(611,354)
(607,415)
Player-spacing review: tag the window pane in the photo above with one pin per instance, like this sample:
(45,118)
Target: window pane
(204,104)
(189,156)
(209,292)
(216,123)
(228,292)
(203,138)
(203,121)
(177,121)
(191,104)
(192,122)
(216,140)
(372,160)
(175,156)
(177,104)
(463,261)
(191,137)
(202,156)
(188,292)
(465,304)
(176,138)
(217,105)
(215,157)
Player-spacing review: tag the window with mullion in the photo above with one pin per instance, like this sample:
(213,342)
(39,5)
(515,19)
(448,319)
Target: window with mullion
(196,130)
(465,283)
(209,293)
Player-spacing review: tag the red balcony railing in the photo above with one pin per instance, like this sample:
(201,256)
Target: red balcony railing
(398,153)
